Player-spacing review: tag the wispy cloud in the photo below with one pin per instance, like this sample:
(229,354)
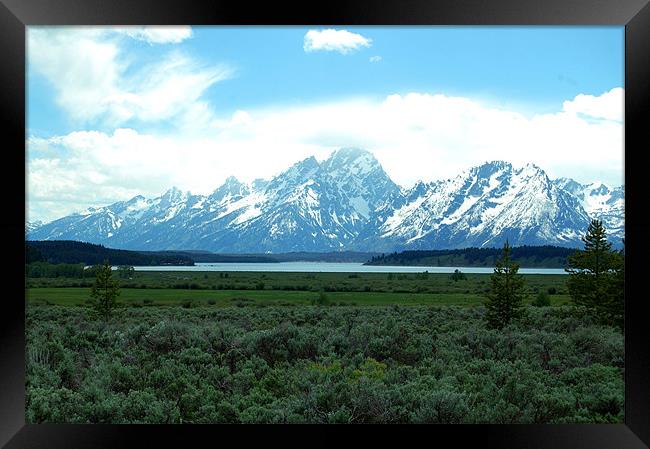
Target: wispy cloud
(415,136)
(375,58)
(329,39)
(94,82)
(157,34)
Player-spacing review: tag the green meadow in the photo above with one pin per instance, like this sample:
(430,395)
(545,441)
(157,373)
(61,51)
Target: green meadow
(235,288)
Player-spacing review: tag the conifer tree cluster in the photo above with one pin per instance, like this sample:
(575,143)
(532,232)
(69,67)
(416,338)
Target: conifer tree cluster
(596,281)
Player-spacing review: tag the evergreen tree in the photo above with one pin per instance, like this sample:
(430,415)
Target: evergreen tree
(505,297)
(105,291)
(596,276)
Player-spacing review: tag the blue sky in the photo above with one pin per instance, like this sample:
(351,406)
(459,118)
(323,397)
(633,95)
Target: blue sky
(205,96)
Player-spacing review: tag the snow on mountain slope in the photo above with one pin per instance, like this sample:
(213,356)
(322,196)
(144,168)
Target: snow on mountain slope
(485,205)
(31,226)
(348,202)
(600,201)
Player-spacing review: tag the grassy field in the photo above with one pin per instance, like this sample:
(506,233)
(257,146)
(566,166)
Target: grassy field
(256,288)
(206,347)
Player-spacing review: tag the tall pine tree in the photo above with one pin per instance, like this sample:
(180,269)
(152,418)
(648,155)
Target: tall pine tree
(596,276)
(505,297)
(105,291)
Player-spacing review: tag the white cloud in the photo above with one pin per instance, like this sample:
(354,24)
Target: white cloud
(341,41)
(375,58)
(415,136)
(93,82)
(157,34)
(166,89)
(82,70)
(608,106)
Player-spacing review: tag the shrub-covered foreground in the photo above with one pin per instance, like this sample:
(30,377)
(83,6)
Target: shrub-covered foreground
(321,364)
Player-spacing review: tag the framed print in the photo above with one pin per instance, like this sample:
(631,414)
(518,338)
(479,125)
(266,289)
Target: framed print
(398,213)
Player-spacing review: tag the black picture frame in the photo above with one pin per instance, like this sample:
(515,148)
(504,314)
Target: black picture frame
(15,15)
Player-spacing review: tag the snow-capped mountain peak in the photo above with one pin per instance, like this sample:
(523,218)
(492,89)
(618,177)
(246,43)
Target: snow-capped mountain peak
(351,161)
(599,201)
(172,196)
(230,188)
(31,226)
(305,168)
(348,202)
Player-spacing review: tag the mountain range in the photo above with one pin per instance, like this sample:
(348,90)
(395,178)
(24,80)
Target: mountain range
(348,203)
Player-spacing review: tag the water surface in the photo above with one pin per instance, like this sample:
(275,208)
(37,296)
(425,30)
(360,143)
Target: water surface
(335,267)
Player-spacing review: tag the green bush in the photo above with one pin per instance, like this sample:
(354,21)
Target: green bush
(358,364)
(442,407)
(542,300)
(322,299)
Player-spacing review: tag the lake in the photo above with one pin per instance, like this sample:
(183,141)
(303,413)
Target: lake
(333,267)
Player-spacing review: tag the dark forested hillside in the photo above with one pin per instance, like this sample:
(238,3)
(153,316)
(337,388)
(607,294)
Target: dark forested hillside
(71,252)
(527,256)
(332,256)
(208,257)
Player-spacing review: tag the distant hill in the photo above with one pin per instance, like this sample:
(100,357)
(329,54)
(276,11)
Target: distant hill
(527,257)
(208,257)
(332,256)
(68,251)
